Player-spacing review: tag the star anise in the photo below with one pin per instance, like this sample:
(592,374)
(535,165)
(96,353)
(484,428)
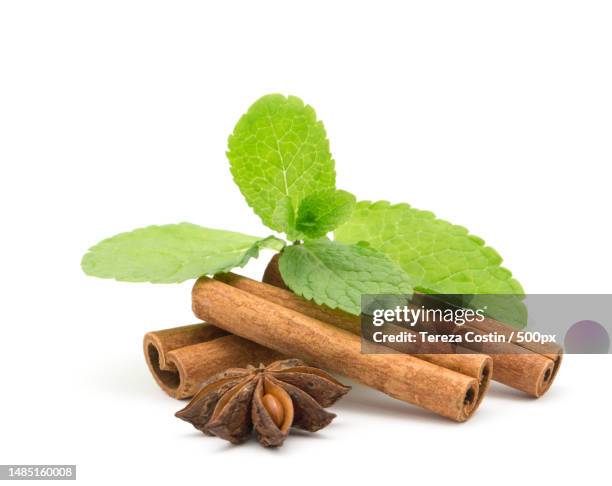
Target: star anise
(270,399)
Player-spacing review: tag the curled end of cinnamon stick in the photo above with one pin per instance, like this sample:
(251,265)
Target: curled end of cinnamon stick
(471,401)
(166,366)
(165,373)
(557,358)
(546,377)
(484,379)
(182,358)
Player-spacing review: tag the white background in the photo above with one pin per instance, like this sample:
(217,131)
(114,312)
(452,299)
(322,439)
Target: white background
(115,115)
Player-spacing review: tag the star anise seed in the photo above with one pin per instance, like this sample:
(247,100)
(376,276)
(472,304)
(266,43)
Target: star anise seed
(269,399)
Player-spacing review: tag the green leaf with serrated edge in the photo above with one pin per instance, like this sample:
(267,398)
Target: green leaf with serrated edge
(442,257)
(172,253)
(337,275)
(279,150)
(323,211)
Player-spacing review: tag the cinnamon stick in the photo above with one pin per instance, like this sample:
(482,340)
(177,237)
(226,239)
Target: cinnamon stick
(477,366)
(441,390)
(182,358)
(530,368)
(517,366)
(551,351)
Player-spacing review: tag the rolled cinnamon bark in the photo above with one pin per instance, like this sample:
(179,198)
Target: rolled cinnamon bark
(182,358)
(551,351)
(524,367)
(528,372)
(477,366)
(443,391)
(516,366)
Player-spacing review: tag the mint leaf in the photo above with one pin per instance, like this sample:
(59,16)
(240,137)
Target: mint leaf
(442,257)
(337,275)
(284,217)
(323,211)
(172,253)
(506,308)
(279,150)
